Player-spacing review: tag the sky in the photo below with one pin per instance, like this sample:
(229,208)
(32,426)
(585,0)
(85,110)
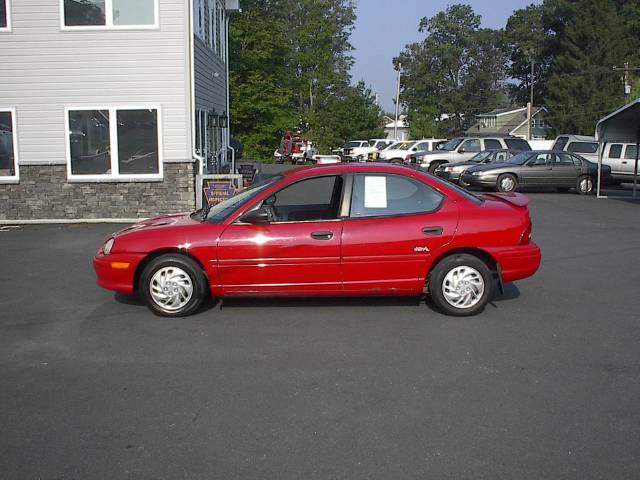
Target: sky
(384,27)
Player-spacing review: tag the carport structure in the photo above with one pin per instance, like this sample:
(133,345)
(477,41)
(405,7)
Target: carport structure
(621,126)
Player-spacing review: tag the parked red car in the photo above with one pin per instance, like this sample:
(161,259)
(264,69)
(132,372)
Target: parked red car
(331,230)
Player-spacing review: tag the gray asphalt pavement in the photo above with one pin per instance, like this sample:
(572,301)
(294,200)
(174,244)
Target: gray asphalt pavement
(544,384)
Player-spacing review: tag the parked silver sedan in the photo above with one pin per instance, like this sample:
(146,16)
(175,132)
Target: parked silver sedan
(453,171)
(561,170)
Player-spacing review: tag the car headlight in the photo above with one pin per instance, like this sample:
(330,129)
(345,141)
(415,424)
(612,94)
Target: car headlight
(108,245)
(476,173)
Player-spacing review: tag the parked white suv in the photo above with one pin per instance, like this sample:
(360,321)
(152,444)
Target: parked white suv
(583,145)
(357,151)
(621,157)
(401,153)
(462,149)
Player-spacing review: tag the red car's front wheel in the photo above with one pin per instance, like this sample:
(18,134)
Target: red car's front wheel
(173,285)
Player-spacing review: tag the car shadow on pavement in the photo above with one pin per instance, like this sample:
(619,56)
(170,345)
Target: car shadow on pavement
(510,292)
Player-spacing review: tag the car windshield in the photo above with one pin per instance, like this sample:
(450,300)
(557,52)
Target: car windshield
(481,157)
(353,145)
(221,211)
(406,146)
(451,144)
(393,146)
(520,159)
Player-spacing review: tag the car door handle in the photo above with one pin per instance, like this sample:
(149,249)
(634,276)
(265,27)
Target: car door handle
(322,235)
(432,231)
(624,163)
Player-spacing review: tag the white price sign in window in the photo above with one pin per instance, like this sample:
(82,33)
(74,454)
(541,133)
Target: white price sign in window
(375,192)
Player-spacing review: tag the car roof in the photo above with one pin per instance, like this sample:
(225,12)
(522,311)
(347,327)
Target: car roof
(337,168)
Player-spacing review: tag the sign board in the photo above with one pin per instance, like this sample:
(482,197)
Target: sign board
(248,172)
(214,189)
(216,192)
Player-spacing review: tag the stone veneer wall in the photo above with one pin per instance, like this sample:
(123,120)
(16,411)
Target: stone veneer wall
(44,193)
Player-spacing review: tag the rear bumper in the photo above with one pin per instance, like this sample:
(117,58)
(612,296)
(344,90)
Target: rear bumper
(519,262)
(117,271)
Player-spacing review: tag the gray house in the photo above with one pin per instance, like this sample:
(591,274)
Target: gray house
(110,108)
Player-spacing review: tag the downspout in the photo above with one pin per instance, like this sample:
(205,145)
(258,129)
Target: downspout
(192,92)
(226,61)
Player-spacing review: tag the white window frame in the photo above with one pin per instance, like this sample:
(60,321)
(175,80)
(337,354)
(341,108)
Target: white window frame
(108,5)
(7,4)
(113,145)
(14,131)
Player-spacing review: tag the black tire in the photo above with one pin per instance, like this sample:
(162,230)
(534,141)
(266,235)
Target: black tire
(584,185)
(195,276)
(437,285)
(433,166)
(507,183)
(462,183)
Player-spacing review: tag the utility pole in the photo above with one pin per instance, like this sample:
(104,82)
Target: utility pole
(626,69)
(395,125)
(530,104)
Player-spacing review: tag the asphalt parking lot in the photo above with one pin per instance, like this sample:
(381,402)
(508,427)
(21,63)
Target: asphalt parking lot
(544,384)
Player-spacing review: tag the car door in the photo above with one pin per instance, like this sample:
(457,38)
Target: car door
(538,171)
(629,162)
(297,252)
(613,158)
(395,225)
(566,170)
(468,149)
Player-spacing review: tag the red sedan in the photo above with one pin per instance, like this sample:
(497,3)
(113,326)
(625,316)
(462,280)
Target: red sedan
(333,230)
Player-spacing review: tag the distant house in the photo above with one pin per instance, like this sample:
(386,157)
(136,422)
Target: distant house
(511,121)
(402,128)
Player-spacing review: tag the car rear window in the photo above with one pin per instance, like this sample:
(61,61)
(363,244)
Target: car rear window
(560,143)
(518,144)
(583,147)
(630,152)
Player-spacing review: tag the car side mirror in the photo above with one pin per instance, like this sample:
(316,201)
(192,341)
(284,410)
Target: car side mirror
(461,150)
(260,216)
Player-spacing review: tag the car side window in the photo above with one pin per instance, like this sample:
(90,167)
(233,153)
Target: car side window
(583,147)
(615,151)
(422,146)
(501,157)
(560,143)
(564,159)
(518,144)
(312,199)
(380,195)
(492,144)
(630,152)
(540,159)
(471,145)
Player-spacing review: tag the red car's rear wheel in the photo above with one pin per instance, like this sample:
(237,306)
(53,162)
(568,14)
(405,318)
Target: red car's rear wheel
(460,285)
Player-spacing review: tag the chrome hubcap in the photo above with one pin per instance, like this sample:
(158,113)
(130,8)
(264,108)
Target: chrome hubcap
(463,287)
(171,288)
(586,185)
(507,184)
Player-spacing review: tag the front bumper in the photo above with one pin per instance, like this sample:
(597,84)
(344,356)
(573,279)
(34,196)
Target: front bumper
(116,271)
(479,180)
(450,176)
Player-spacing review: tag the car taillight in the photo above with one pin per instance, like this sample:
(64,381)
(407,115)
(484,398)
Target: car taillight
(525,238)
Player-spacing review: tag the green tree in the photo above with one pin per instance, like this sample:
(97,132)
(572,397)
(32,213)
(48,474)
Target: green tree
(458,69)
(348,113)
(582,86)
(261,97)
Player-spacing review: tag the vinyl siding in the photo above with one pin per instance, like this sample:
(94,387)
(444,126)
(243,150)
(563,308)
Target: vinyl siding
(45,69)
(210,91)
